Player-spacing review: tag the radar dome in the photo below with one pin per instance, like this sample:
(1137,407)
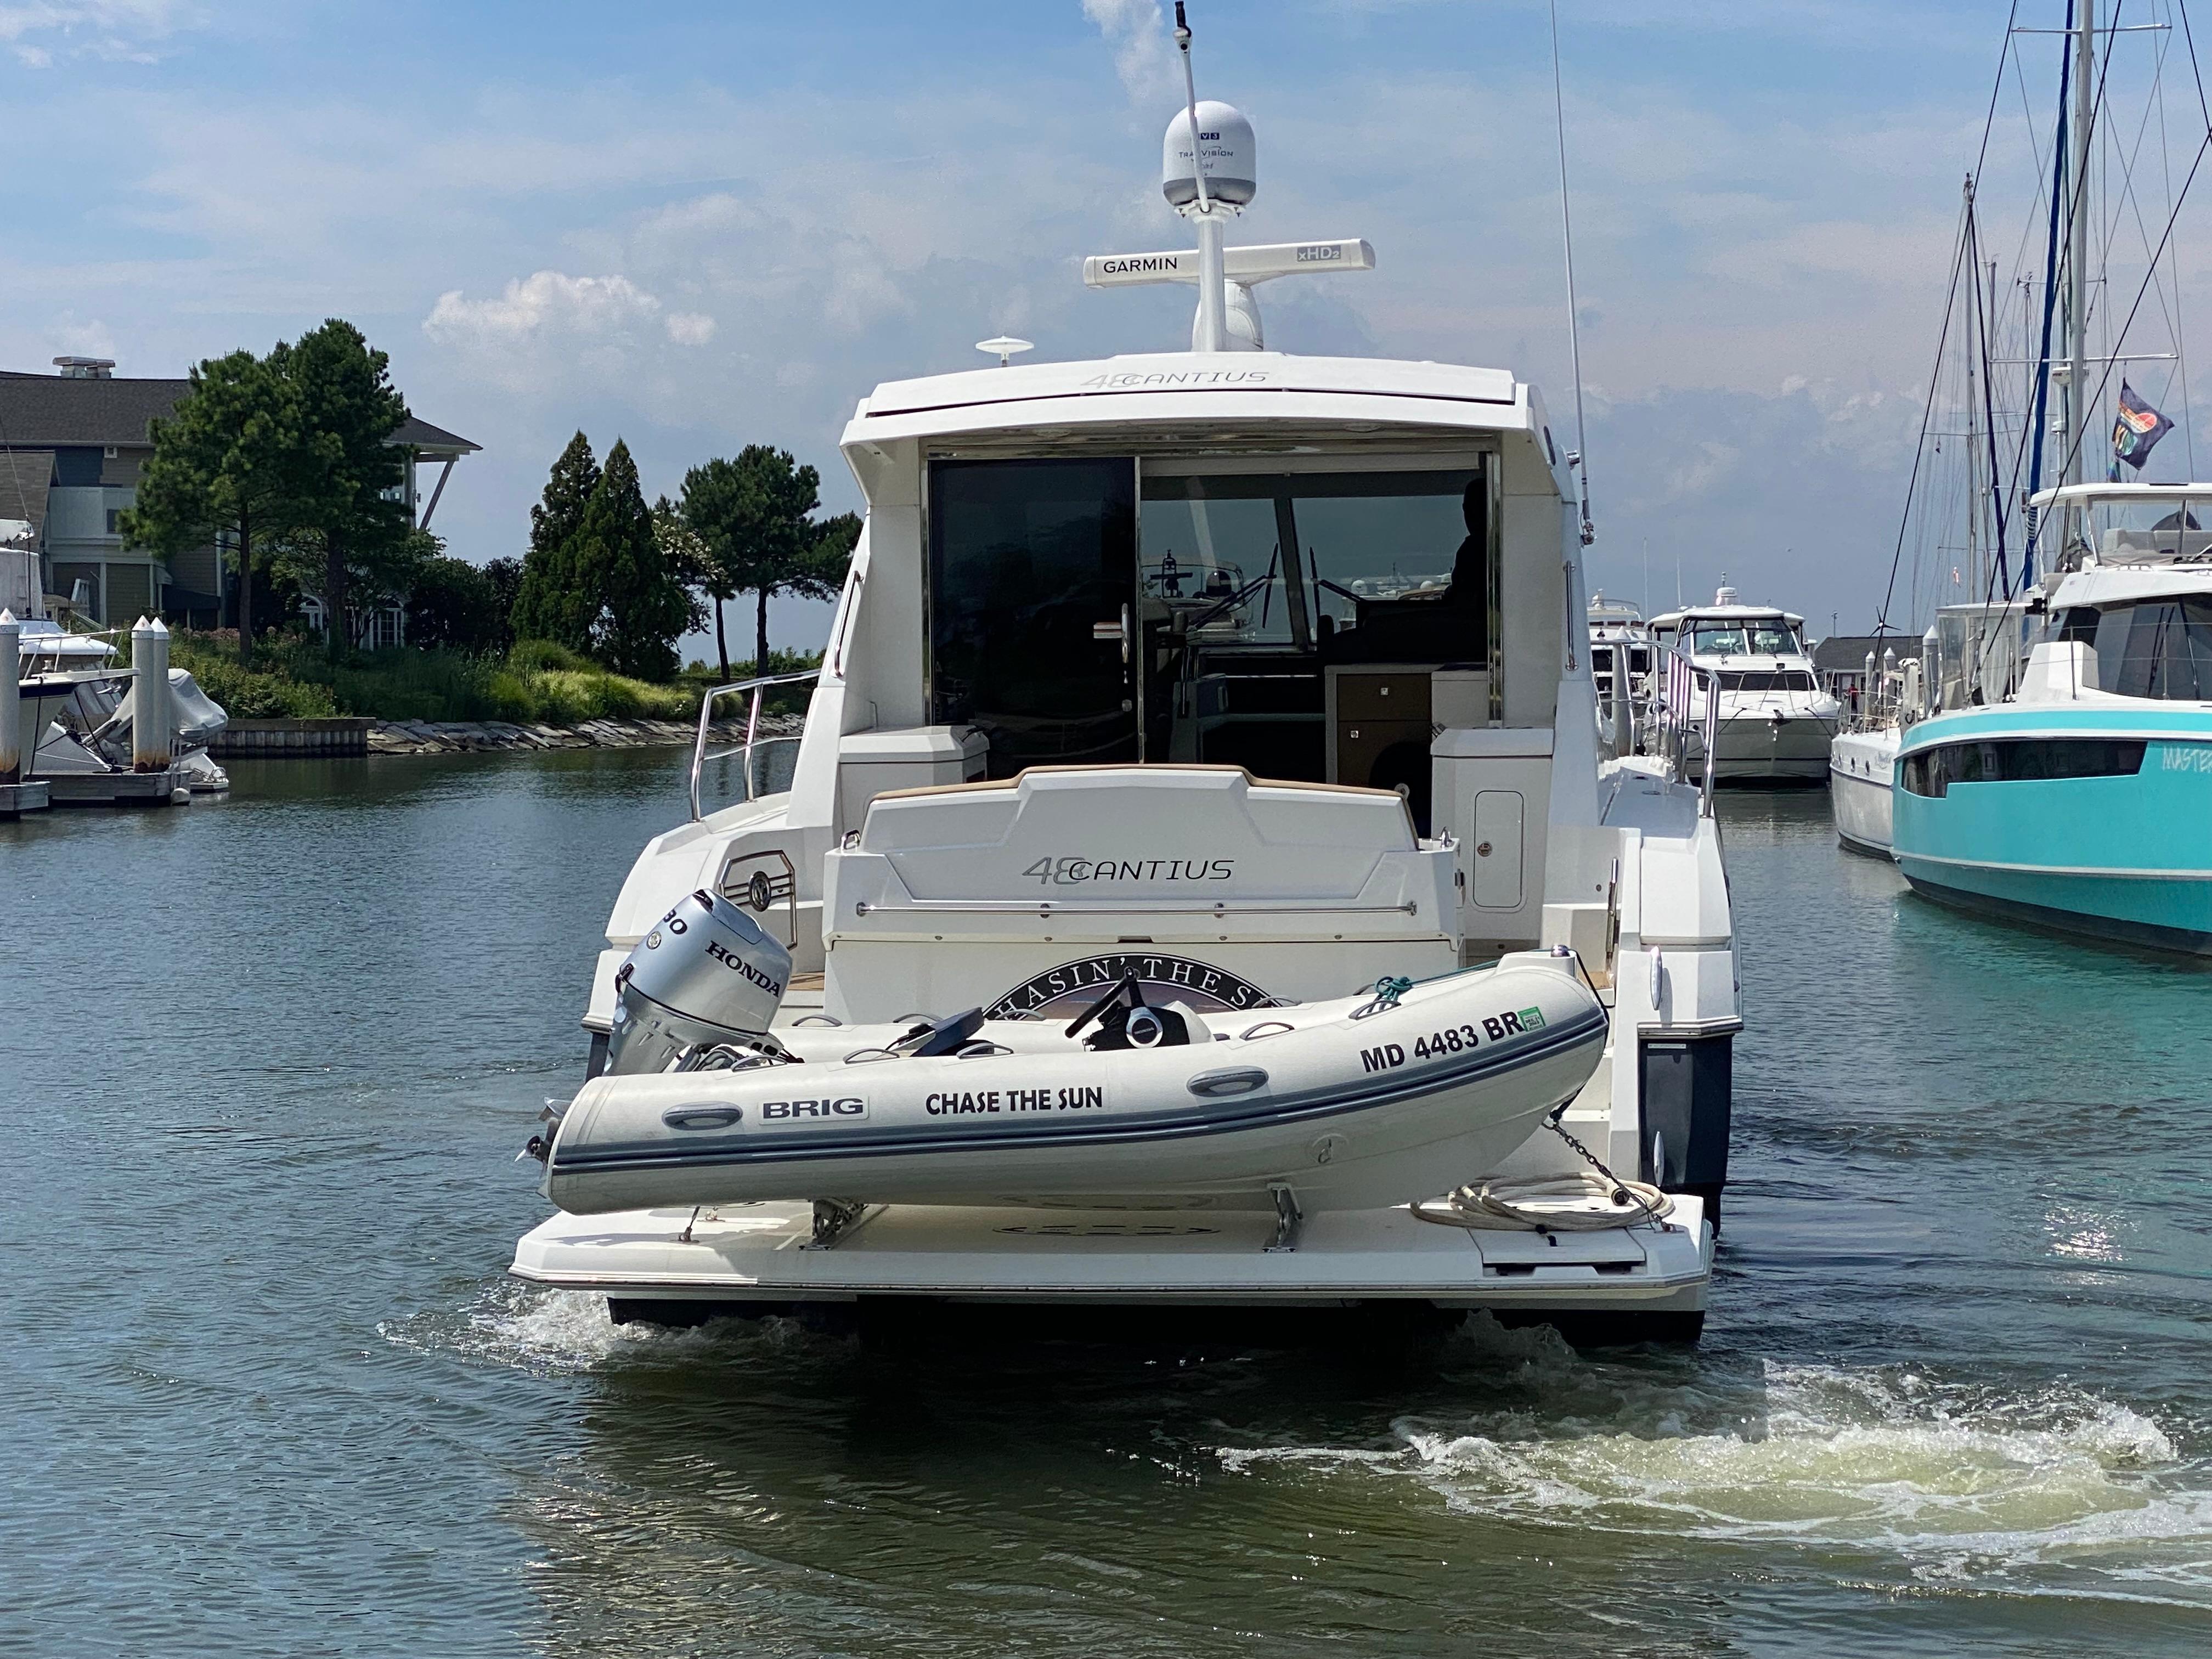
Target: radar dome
(1225,141)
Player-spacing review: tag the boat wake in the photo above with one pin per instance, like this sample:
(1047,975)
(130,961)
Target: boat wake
(2060,1491)
(568,1331)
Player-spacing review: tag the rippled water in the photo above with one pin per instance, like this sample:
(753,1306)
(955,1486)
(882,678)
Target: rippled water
(266,1063)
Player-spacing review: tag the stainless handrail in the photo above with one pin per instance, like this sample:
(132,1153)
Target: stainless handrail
(752,726)
(1712,741)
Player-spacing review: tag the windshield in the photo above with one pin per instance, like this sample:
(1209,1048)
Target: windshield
(1769,679)
(2152,648)
(1757,636)
(2122,530)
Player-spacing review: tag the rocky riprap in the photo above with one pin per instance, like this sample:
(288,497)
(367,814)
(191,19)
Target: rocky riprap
(452,737)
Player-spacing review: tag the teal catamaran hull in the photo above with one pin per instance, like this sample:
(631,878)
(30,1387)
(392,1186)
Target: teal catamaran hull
(2094,819)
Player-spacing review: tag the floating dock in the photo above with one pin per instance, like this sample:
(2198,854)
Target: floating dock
(17,799)
(162,788)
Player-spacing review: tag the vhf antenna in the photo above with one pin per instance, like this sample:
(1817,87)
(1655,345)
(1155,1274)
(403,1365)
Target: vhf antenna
(1579,460)
(1212,331)
(1190,103)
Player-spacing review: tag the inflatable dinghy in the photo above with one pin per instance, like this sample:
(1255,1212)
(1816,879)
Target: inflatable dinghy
(1374,1099)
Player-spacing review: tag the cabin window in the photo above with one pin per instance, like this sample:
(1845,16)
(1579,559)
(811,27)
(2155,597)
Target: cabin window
(1765,680)
(1359,567)
(2158,649)
(1028,560)
(1932,771)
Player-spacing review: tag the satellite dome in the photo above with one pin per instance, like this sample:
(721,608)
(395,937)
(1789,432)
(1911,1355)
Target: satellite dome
(1226,145)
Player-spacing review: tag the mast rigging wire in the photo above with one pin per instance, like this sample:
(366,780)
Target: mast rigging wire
(1950,299)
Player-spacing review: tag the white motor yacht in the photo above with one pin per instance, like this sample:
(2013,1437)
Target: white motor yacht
(1774,722)
(1245,695)
(1620,672)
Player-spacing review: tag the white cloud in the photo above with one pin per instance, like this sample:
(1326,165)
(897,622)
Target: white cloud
(546,302)
(1143,55)
(690,328)
(119,29)
(88,338)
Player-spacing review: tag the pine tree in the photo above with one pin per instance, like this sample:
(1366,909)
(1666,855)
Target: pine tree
(348,521)
(224,465)
(754,514)
(552,601)
(645,608)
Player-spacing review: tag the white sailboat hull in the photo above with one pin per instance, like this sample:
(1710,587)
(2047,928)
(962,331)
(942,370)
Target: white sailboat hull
(1861,765)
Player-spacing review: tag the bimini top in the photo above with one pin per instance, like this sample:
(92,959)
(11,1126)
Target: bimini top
(1351,393)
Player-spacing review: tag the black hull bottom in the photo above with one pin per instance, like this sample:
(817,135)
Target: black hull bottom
(1388,1330)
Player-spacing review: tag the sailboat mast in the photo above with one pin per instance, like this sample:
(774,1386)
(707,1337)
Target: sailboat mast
(2077,247)
(1976,349)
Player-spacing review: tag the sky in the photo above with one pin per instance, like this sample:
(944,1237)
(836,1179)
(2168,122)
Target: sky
(698,226)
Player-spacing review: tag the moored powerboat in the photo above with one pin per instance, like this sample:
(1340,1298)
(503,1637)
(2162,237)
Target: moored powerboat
(1774,722)
(1621,672)
(77,711)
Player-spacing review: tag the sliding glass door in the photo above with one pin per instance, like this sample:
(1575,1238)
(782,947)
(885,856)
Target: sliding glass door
(1032,608)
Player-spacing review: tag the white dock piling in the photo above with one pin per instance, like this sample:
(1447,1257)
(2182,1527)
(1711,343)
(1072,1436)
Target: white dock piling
(16,797)
(11,716)
(152,723)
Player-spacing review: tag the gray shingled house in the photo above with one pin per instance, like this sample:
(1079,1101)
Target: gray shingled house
(71,444)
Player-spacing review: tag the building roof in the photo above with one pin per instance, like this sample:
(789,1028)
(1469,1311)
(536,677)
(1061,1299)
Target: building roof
(1847,652)
(52,411)
(24,476)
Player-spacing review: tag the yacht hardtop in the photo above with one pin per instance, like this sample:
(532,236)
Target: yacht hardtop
(1245,679)
(1727,629)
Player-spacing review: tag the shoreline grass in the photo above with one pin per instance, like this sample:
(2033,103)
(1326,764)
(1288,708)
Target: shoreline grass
(535,682)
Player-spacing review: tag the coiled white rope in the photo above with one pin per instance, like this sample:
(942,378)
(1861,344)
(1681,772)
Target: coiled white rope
(1583,1202)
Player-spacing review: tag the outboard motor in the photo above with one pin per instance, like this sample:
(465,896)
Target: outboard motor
(705,974)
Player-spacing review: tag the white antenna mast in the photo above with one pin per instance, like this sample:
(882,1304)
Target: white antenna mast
(1574,323)
(1209,173)
(1210,334)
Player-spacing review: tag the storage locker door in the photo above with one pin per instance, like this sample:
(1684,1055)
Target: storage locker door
(1495,856)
